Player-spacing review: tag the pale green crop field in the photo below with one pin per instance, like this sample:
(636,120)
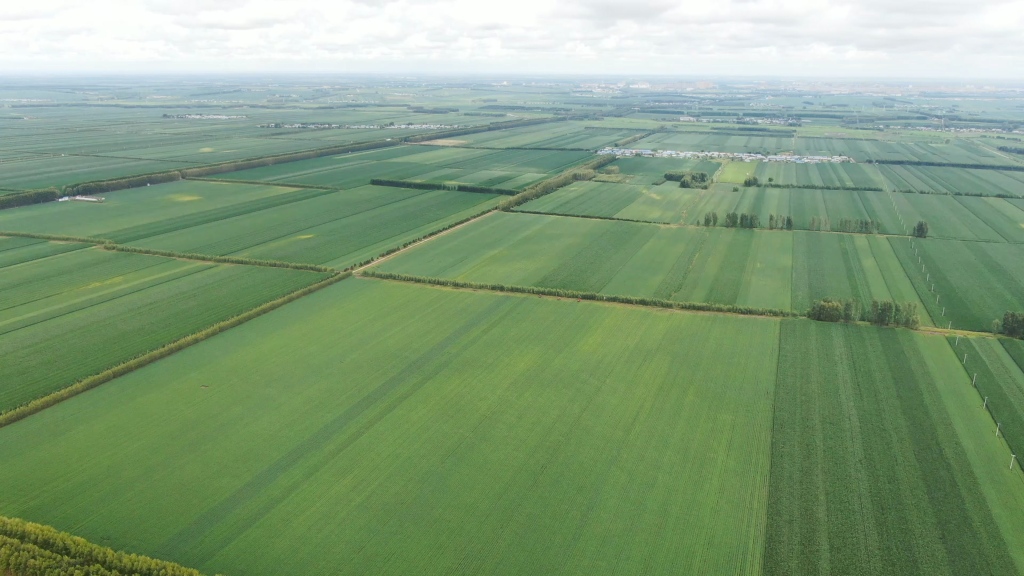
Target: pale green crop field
(975,282)
(762,269)
(68,316)
(423,430)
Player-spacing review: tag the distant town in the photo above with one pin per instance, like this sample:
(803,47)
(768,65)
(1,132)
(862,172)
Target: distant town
(739,156)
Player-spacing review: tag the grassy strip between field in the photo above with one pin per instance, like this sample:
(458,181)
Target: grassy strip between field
(39,404)
(558,293)
(57,237)
(29,549)
(441,186)
(217,259)
(419,240)
(261,183)
(594,217)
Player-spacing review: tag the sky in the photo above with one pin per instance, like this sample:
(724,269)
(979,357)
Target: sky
(821,38)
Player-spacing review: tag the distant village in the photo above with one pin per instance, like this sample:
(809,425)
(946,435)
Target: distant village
(738,156)
(203,117)
(392,125)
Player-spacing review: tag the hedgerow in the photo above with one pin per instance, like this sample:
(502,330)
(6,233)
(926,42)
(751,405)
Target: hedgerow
(28,198)
(217,259)
(442,186)
(581,172)
(573,294)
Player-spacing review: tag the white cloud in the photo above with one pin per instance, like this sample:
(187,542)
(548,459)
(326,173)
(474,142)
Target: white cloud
(765,37)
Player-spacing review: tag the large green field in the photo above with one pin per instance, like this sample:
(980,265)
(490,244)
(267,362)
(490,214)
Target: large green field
(514,169)
(825,174)
(947,180)
(663,203)
(976,282)
(882,461)
(551,135)
(331,227)
(381,427)
(67,316)
(762,269)
(999,379)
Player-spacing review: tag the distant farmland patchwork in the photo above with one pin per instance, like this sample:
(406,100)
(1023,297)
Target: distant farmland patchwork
(481,410)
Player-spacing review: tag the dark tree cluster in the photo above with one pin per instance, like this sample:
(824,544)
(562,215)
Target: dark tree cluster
(1012,325)
(859,226)
(921,229)
(689,179)
(780,222)
(751,181)
(735,220)
(879,313)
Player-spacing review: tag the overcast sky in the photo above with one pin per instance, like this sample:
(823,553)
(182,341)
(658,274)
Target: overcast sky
(890,38)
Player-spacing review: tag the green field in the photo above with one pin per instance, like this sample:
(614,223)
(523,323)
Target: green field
(947,217)
(514,169)
(760,269)
(415,430)
(976,282)
(882,462)
(825,174)
(68,316)
(946,180)
(664,203)
(999,379)
(331,227)
(649,171)
(17,250)
(550,135)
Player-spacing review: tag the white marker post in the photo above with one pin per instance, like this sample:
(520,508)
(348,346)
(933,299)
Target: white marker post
(985,405)
(957,340)
(950,327)
(965,359)
(998,426)
(974,381)
(1012,458)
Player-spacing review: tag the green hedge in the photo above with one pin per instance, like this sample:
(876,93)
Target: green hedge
(57,237)
(581,172)
(29,549)
(28,198)
(570,294)
(442,186)
(102,186)
(217,259)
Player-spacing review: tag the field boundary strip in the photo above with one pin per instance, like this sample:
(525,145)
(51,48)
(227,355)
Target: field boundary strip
(39,404)
(580,296)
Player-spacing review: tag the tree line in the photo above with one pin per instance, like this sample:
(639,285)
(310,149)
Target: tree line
(737,220)
(879,313)
(582,172)
(28,198)
(573,294)
(442,186)
(1011,325)
(1012,149)
(29,549)
(217,259)
(1008,167)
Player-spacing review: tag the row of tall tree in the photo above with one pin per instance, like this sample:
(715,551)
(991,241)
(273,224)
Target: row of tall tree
(28,549)
(879,312)
(1012,325)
